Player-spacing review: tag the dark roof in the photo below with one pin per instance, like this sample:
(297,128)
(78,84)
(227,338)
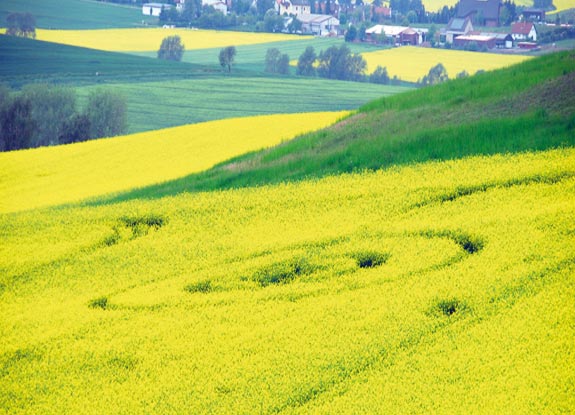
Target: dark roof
(457,24)
(488,9)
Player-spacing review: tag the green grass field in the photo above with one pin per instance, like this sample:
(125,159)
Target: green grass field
(154,105)
(526,107)
(76,14)
(25,61)
(164,94)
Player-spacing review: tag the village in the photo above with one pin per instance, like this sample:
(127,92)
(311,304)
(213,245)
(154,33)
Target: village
(474,25)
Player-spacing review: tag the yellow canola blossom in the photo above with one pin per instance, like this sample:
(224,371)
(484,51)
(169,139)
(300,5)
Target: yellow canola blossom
(143,40)
(562,5)
(444,287)
(413,63)
(55,175)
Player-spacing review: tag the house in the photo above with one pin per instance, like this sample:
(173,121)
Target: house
(533,15)
(482,41)
(380,13)
(154,9)
(399,35)
(318,24)
(524,31)
(292,7)
(218,5)
(180,4)
(483,12)
(457,26)
(502,40)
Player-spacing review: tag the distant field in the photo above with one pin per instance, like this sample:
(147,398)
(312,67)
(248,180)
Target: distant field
(154,105)
(56,175)
(563,5)
(76,14)
(25,61)
(150,39)
(411,63)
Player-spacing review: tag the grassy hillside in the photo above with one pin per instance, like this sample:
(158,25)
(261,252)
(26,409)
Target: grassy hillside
(163,94)
(526,107)
(76,14)
(444,287)
(155,105)
(25,60)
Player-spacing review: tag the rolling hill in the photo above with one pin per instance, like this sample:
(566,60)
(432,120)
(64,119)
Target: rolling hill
(527,107)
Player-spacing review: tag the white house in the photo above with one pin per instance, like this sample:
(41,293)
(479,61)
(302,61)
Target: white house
(219,5)
(154,9)
(524,31)
(457,26)
(318,24)
(292,7)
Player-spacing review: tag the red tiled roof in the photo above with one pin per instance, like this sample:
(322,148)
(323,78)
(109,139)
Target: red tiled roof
(522,28)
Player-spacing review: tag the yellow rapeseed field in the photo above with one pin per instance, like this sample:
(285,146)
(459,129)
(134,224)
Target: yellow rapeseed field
(142,40)
(444,287)
(55,175)
(561,5)
(412,63)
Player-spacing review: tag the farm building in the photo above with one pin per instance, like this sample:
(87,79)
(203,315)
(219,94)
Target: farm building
(319,24)
(487,42)
(483,12)
(292,7)
(154,9)
(456,27)
(533,15)
(502,40)
(524,31)
(399,35)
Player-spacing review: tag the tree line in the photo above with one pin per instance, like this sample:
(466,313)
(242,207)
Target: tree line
(46,115)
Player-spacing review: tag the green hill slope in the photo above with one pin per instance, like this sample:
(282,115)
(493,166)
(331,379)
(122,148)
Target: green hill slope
(530,106)
(26,60)
(76,14)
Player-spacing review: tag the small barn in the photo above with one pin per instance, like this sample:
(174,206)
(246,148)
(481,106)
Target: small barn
(487,42)
(533,15)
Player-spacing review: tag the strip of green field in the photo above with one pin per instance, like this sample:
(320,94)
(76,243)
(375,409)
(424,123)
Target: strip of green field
(25,61)
(155,105)
(253,56)
(76,14)
(526,107)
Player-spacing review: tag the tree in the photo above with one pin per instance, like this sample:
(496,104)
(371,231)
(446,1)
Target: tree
(106,111)
(171,49)
(351,34)
(16,127)
(51,108)
(227,56)
(276,62)
(295,25)
(262,7)
(76,129)
(436,75)
(21,25)
(272,22)
(305,63)
(379,76)
(340,63)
